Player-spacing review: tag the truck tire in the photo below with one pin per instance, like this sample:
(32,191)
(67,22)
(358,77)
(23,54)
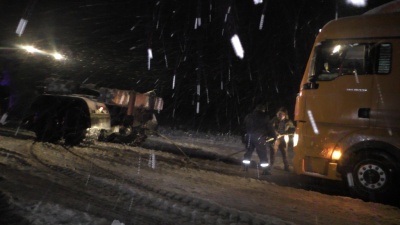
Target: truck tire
(46,127)
(375,177)
(74,127)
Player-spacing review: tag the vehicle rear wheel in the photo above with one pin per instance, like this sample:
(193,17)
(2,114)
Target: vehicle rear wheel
(46,127)
(74,128)
(375,177)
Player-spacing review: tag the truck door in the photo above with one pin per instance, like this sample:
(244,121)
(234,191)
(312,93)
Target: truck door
(386,117)
(337,101)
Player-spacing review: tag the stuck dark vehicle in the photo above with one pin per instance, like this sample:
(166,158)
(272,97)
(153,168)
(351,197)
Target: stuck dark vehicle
(73,114)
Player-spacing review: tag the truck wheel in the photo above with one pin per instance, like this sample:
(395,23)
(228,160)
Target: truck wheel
(46,127)
(74,128)
(375,177)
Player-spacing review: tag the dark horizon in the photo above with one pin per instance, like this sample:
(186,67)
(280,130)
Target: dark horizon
(107,42)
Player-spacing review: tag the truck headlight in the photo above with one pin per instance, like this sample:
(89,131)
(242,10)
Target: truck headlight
(336,154)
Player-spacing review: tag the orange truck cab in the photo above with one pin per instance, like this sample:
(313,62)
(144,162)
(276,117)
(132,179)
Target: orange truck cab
(348,108)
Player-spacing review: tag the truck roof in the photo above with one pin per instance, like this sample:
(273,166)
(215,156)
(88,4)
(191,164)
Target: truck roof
(390,7)
(364,26)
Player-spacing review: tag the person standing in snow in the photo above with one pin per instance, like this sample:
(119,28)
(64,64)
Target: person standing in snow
(258,130)
(283,126)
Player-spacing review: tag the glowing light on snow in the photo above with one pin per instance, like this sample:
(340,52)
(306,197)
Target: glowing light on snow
(237,46)
(150,57)
(21,26)
(313,124)
(261,21)
(256,2)
(357,3)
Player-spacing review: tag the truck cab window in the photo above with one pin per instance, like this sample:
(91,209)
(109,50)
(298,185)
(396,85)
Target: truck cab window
(337,59)
(384,59)
(333,60)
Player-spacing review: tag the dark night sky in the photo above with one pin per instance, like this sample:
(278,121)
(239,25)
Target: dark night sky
(106,42)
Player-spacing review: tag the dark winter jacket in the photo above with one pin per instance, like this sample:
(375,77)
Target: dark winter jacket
(288,126)
(257,122)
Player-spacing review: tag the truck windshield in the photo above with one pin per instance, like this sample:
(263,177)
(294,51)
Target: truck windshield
(334,59)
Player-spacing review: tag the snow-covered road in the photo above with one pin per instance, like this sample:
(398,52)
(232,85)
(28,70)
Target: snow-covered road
(106,183)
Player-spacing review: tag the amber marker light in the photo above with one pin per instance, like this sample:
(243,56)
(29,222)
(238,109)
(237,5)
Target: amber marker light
(336,154)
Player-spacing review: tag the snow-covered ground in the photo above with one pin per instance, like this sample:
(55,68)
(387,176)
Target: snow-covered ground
(197,179)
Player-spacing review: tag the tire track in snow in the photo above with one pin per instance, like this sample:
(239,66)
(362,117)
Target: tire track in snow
(146,203)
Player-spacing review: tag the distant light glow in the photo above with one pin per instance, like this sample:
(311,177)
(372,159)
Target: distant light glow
(357,3)
(237,46)
(30,49)
(256,2)
(58,56)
